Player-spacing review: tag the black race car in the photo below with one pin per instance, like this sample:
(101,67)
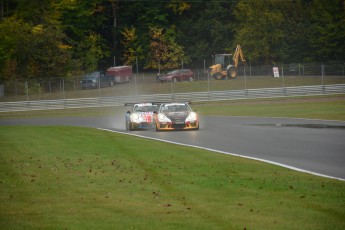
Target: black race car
(176,116)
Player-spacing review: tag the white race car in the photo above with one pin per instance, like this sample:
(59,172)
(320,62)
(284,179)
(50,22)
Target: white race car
(141,116)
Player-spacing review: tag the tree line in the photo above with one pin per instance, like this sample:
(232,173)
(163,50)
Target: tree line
(64,38)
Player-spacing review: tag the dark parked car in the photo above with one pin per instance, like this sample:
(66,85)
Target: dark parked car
(95,80)
(177,75)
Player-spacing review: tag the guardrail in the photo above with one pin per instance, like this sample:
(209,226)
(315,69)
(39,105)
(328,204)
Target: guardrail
(192,96)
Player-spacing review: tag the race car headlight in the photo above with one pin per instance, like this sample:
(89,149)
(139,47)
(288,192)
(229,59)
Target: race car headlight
(134,117)
(163,118)
(192,117)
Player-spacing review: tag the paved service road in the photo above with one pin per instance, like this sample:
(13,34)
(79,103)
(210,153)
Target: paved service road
(313,145)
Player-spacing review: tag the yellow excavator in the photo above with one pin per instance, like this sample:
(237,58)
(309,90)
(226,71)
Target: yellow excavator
(218,70)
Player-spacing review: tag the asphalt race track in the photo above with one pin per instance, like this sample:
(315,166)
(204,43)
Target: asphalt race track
(315,146)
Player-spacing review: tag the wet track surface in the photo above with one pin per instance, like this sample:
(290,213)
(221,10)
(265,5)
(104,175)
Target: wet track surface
(313,145)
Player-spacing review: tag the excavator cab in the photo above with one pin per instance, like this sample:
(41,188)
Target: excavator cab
(222,59)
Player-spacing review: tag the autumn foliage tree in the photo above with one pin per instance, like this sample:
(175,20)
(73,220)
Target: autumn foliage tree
(57,38)
(38,51)
(132,48)
(165,53)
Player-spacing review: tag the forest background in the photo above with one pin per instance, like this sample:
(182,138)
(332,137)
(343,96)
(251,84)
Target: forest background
(65,38)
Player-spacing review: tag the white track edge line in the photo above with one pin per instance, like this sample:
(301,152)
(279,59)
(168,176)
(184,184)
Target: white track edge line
(227,153)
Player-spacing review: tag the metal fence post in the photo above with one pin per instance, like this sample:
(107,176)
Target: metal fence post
(299,69)
(302,69)
(283,78)
(135,78)
(172,90)
(99,87)
(245,78)
(208,81)
(74,85)
(322,72)
(262,70)
(135,84)
(63,88)
(16,87)
(39,89)
(27,90)
(282,70)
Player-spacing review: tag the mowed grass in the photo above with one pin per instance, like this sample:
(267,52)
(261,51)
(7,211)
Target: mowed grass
(82,178)
(318,107)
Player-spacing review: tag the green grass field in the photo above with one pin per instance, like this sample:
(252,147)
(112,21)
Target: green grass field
(82,178)
(323,107)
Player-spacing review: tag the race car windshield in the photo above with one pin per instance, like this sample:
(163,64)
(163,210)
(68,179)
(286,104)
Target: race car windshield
(150,108)
(175,108)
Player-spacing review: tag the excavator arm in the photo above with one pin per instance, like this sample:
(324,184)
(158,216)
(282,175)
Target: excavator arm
(238,55)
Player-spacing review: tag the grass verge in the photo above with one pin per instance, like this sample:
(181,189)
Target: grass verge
(317,107)
(81,178)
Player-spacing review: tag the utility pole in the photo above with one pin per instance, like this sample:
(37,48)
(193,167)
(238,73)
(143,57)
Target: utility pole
(2,9)
(115,8)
